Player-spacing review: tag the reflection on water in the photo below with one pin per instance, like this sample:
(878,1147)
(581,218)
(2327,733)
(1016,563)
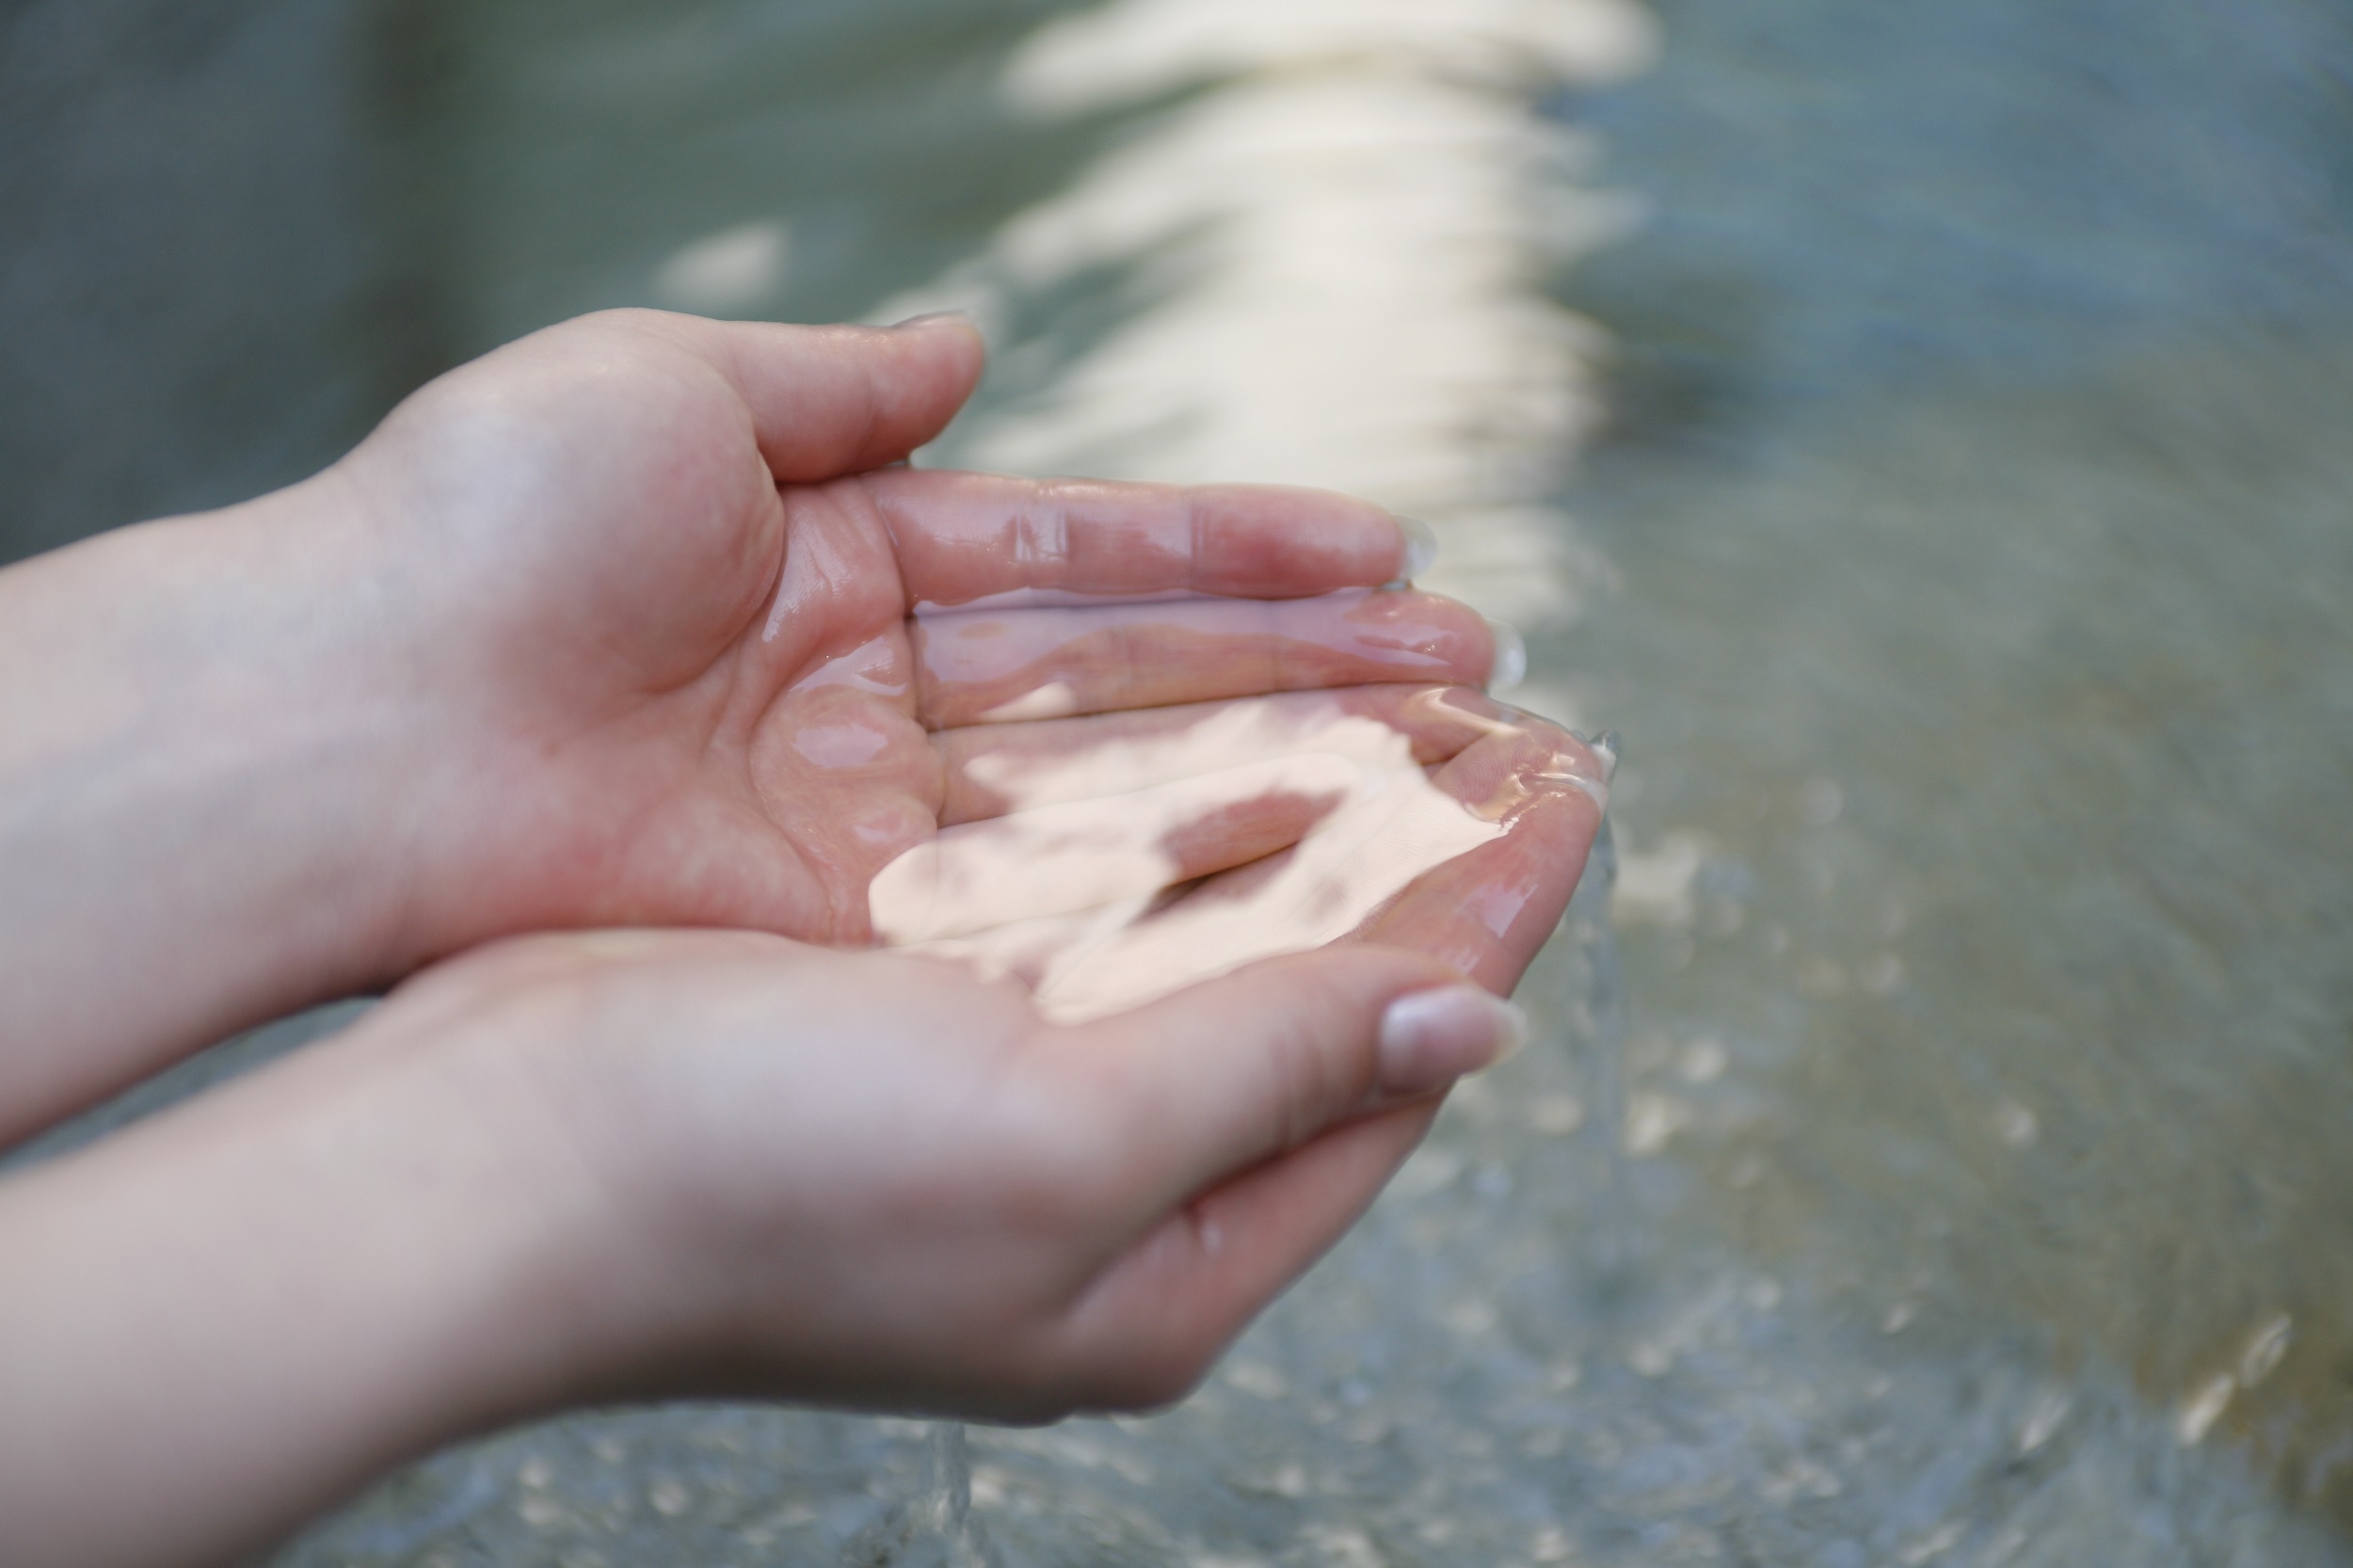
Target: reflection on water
(2010,881)
(1115,864)
(1941,1158)
(1298,243)
(2021,922)
(1337,235)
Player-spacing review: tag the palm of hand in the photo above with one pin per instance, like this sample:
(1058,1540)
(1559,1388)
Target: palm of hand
(725,668)
(712,662)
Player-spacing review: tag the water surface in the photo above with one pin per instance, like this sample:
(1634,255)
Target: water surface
(1936,1145)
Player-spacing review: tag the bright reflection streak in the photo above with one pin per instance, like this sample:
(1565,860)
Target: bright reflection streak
(1128,863)
(1344,223)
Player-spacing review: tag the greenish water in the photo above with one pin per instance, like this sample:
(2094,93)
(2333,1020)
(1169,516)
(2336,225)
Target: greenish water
(1944,1151)
(1984,470)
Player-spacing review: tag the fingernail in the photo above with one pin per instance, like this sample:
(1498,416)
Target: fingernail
(1510,662)
(1604,747)
(1421,549)
(1430,1038)
(936,318)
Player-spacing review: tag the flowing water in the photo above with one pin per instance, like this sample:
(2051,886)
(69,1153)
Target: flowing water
(1937,1147)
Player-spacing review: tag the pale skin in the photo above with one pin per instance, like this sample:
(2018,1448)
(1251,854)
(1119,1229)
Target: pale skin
(612,630)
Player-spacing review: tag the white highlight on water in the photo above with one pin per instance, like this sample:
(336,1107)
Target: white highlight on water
(731,270)
(1343,224)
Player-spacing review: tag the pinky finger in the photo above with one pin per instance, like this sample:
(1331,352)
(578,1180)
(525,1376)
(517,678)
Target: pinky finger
(1156,1321)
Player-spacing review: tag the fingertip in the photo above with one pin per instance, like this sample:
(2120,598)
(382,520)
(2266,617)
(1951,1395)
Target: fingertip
(1231,1071)
(828,401)
(1430,1038)
(935,320)
(1421,550)
(1508,667)
(1278,541)
(955,332)
(950,352)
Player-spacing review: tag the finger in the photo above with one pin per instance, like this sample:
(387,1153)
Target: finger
(1222,1076)
(985,667)
(1154,1320)
(1484,913)
(993,768)
(827,401)
(967,537)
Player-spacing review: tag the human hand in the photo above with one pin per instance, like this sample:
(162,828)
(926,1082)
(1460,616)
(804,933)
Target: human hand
(571,1169)
(616,627)
(672,616)
(609,627)
(874,1180)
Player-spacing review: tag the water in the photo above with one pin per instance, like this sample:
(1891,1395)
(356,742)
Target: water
(934,1525)
(2025,471)
(1935,1149)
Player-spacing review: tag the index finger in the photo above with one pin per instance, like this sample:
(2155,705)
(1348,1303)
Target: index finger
(961,537)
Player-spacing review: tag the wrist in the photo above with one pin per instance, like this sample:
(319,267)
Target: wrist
(199,801)
(238,1312)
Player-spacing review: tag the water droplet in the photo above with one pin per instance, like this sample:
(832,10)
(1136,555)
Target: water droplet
(2265,1351)
(2016,1125)
(2203,1407)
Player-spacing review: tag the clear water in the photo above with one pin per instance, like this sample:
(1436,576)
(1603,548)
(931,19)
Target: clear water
(1938,1147)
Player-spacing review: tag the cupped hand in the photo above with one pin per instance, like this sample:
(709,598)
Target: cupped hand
(632,624)
(689,651)
(873,1179)
(570,1169)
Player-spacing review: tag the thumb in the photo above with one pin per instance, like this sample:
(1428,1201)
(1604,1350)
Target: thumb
(828,401)
(1237,1071)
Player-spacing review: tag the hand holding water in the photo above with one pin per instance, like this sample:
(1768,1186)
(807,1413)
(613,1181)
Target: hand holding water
(626,626)
(609,627)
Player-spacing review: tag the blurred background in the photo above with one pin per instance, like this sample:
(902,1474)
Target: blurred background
(1920,432)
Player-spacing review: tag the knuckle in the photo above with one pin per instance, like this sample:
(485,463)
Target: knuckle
(1313,1079)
